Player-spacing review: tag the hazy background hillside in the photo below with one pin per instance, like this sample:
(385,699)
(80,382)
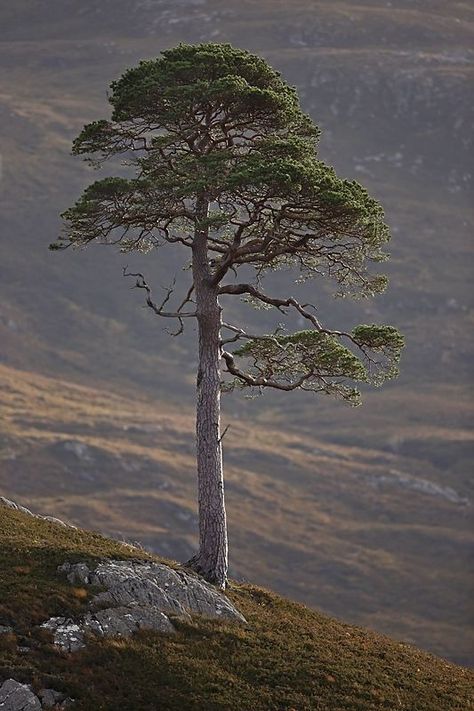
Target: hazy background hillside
(365,513)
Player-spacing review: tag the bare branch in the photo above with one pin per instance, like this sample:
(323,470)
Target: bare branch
(226,429)
(241,334)
(187,299)
(277,303)
(159,309)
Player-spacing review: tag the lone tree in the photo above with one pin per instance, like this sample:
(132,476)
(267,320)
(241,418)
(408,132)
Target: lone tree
(226,165)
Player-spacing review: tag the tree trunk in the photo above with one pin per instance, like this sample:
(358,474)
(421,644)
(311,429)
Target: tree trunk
(211,559)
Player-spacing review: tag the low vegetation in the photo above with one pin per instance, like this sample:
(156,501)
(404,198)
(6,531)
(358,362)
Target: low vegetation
(287,657)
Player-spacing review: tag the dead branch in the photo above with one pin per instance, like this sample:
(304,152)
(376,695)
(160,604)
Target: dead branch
(158,309)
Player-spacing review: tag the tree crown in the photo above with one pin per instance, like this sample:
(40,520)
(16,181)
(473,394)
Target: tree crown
(220,145)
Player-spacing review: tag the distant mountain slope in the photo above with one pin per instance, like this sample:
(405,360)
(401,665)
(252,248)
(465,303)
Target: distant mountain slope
(285,657)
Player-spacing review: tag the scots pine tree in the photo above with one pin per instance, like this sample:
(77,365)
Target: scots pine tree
(225,165)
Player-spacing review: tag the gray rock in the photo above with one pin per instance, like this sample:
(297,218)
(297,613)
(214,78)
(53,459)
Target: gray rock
(18,697)
(124,621)
(12,505)
(5,629)
(78,573)
(144,592)
(50,698)
(138,595)
(68,635)
(58,521)
(172,591)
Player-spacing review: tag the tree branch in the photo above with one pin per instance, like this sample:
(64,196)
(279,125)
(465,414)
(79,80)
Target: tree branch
(277,303)
(261,381)
(159,309)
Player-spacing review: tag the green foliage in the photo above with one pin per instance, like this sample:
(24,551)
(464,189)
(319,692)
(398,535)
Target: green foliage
(317,356)
(311,350)
(95,136)
(192,78)
(324,361)
(379,337)
(216,124)
(218,121)
(386,341)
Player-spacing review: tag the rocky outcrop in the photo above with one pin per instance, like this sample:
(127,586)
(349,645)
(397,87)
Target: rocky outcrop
(15,696)
(12,505)
(137,595)
(68,635)
(51,699)
(18,697)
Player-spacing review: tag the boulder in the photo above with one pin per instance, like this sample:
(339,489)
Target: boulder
(50,698)
(18,697)
(137,595)
(124,621)
(68,635)
(172,591)
(12,505)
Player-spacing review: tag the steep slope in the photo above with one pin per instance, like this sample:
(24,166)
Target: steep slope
(370,534)
(285,657)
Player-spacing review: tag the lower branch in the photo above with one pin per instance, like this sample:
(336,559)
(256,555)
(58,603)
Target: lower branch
(261,381)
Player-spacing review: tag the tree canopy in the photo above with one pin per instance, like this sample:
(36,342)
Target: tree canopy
(214,123)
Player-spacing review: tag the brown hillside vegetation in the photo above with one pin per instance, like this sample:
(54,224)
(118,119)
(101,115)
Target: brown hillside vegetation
(287,656)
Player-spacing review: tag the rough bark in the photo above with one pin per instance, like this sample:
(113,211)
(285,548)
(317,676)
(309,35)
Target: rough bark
(211,561)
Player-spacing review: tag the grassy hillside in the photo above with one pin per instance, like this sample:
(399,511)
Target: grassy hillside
(286,657)
(370,533)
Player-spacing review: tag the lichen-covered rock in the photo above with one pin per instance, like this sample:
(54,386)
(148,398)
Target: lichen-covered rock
(173,592)
(6,629)
(18,697)
(12,505)
(78,573)
(138,591)
(68,635)
(124,621)
(137,595)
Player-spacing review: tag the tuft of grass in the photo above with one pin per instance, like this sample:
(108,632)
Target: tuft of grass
(287,656)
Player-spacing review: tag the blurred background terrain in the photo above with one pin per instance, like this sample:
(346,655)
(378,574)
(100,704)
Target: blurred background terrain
(365,513)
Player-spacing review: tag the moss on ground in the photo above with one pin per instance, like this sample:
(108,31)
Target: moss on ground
(288,658)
